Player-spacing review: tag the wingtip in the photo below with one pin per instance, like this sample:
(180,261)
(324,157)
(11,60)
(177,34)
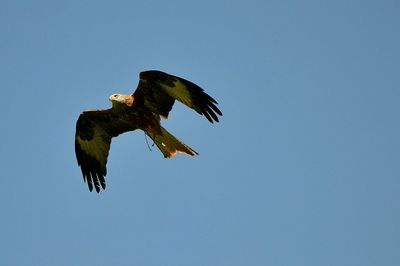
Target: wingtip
(90,187)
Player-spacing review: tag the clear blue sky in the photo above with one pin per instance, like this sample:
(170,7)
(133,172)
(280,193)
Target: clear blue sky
(302,170)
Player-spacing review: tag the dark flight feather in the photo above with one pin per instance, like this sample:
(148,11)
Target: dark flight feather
(159,91)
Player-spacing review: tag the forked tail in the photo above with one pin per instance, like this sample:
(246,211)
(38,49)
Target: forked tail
(168,144)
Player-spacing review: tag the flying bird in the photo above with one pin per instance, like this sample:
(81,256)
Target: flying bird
(153,99)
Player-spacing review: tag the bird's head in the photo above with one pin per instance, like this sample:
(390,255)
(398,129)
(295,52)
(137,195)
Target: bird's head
(121,99)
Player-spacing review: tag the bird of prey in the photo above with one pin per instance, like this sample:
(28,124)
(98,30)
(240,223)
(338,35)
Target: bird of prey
(153,98)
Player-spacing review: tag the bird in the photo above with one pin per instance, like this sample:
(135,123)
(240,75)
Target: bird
(152,100)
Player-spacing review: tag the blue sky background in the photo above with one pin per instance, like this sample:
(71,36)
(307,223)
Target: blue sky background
(302,170)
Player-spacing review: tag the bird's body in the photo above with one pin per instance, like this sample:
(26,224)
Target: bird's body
(153,98)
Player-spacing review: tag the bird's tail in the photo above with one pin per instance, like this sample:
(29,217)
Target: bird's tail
(168,144)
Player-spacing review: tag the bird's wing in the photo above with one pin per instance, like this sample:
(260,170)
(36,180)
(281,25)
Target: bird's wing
(159,90)
(94,130)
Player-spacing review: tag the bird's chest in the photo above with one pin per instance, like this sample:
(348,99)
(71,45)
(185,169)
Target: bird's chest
(139,119)
(150,121)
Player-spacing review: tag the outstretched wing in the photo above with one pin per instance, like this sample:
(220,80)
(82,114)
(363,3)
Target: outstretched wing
(158,91)
(94,130)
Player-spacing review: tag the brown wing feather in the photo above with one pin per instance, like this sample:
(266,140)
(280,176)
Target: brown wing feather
(158,91)
(94,130)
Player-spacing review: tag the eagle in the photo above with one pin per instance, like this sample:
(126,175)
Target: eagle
(152,100)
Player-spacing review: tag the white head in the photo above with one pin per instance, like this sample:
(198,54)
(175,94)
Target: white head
(118,99)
